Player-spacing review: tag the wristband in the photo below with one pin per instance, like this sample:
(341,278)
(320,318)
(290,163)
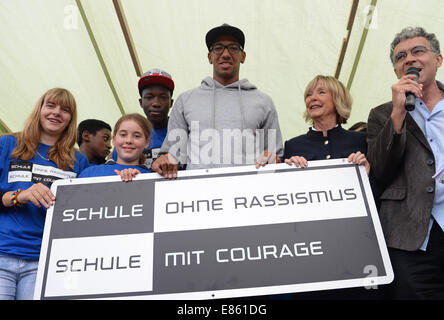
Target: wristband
(14,197)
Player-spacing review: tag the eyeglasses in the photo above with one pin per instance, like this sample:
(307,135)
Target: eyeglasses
(232,48)
(415,51)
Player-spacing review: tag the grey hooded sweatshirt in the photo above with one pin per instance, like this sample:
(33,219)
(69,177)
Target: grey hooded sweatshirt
(219,126)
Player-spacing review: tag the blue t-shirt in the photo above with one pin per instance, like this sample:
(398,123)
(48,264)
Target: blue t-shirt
(21,227)
(152,152)
(108,170)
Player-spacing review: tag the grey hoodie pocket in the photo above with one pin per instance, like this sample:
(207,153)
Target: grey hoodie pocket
(393,194)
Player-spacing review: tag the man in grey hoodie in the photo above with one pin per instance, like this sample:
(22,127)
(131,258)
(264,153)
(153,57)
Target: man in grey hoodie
(225,121)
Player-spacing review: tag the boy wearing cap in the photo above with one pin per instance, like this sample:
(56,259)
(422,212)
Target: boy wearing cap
(225,121)
(156,90)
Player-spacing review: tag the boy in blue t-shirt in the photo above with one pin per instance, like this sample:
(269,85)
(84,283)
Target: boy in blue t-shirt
(156,90)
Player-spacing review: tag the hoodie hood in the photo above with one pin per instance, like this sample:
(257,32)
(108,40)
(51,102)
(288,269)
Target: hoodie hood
(241,85)
(209,83)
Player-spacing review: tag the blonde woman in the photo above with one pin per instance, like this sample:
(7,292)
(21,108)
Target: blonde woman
(30,161)
(328,105)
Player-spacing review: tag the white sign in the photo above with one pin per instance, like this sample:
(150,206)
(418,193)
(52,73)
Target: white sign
(213,234)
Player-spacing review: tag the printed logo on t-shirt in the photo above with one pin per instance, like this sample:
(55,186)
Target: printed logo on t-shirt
(31,172)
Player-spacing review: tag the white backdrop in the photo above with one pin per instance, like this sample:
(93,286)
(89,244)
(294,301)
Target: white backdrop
(44,43)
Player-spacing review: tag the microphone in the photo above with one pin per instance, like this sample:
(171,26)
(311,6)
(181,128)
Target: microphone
(410,98)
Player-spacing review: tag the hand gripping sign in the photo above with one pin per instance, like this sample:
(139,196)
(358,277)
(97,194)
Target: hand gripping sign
(213,233)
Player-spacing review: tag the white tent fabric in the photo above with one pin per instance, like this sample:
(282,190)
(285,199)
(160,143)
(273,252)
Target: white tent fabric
(45,44)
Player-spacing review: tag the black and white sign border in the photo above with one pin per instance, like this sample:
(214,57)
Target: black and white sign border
(366,280)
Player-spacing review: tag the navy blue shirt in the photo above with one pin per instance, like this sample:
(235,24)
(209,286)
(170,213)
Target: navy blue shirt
(339,143)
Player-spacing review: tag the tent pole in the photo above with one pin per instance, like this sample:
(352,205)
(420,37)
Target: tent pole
(4,128)
(128,37)
(99,56)
(361,44)
(351,20)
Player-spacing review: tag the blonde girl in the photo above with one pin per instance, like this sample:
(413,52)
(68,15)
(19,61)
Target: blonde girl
(30,161)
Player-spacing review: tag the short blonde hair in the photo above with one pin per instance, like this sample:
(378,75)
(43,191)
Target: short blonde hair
(341,97)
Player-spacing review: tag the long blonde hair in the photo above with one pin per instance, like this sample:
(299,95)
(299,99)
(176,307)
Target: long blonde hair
(341,97)
(142,122)
(62,153)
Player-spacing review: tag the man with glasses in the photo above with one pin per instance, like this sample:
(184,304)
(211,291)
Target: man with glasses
(405,148)
(225,121)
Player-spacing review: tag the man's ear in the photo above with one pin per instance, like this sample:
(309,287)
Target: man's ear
(171,103)
(86,136)
(244,55)
(209,58)
(439,60)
